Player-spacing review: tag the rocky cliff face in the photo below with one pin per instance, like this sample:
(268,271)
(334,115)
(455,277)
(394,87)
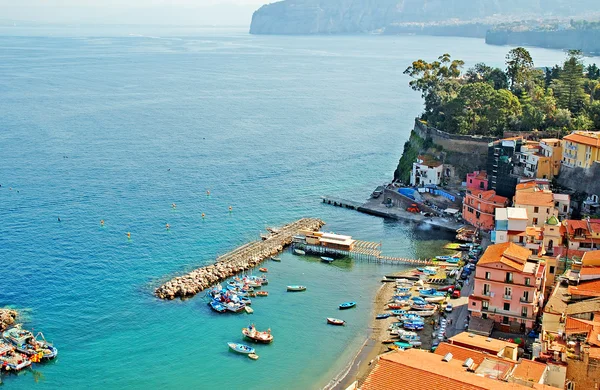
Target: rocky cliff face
(362,16)
(587,41)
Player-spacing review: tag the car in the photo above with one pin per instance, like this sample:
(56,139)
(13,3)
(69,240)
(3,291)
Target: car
(448,308)
(447,288)
(455,294)
(471,266)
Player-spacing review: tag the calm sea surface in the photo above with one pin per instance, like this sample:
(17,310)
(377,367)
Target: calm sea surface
(118,125)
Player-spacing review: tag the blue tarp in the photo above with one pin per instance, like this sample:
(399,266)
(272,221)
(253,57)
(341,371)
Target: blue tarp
(409,192)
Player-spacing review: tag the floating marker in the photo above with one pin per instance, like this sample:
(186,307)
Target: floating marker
(207,193)
(101,222)
(203,215)
(129,235)
(230,209)
(168,226)
(174,205)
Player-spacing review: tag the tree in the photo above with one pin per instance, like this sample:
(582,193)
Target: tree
(569,85)
(551,74)
(493,76)
(504,111)
(592,72)
(594,113)
(582,122)
(519,65)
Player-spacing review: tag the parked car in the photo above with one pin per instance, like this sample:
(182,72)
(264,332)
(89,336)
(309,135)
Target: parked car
(448,308)
(447,288)
(455,294)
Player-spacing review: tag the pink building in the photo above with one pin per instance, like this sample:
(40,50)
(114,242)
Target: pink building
(509,287)
(477,180)
(479,207)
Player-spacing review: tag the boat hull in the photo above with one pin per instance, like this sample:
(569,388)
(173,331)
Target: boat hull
(296,288)
(335,321)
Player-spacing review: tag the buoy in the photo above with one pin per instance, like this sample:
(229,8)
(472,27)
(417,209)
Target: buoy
(101,222)
(128,235)
(230,208)
(58,219)
(207,193)
(203,215)
(168,226)
(174,205)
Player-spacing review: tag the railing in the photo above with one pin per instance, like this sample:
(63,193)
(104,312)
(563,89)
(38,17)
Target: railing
(487,293)
(525,300)
(507,297)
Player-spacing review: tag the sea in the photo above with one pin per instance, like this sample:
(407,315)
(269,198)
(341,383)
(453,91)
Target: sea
(120,123)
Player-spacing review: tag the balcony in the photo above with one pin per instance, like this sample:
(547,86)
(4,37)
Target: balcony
(487,294)
(525,300)
(507,297)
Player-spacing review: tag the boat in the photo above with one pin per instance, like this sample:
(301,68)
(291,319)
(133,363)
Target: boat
(435,299)
(217,306)
(263,269)
(382,316)
(411,317)
(235,307)
(253,356)
(262,293)
(249,310)
(413,326)
(397,305)
(26,343)
(398,312)
(335,321)
(388,341)
(402,344)
(299,252)
(431,292)
(11,360)
(257,336)
(422,313)
(410,336)
(347,305)
(395,325)
(241,348)
(296,288)
(275,258)
(416,306)
(326,259)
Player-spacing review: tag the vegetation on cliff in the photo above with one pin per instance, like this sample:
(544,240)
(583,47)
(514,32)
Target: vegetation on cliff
(488,101)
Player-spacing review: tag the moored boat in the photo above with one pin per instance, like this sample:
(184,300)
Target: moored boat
(263,269)
(296,288)
(299,252)
(275,258)
(335,321)
(262,293)
(25,342)
(422,313)
(396,305)
(217,306)
(402,344)
(253,356)
(347,305)
(259,337)
(435,299)
(249,310)
(416,306)
(382,316)
(326,259)
(398,312)
(241,348)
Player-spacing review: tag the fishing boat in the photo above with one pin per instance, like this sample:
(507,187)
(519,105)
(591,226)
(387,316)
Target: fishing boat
(296,288)
(395,325)
(275,258)
(263,269)
(253,356)
(397,305)
(402,344)
(423,313)
(347,305)
(11,360)
(413,326)
(26,343)
(418,300)
(398,312)
(416,306)
(388,341)
(410,336)
(262,293)
(299,252)
(258,337)
(326,259)
(435,299)
(217,306)
(411,317)
(335,321)
(382,316)
(235,307)
(241,348)
(431,292)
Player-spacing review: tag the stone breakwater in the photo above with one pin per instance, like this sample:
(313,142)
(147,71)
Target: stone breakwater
(239,260)
(7,318)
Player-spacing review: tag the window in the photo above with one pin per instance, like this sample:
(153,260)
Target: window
(535,221)
(525,296)
(536,209)
(524,311)
(506,306)
(486,289)
(570,385)
(509,277)
(547,211)
(527,281)
(470,181)
(478,214)
(470,210)
(484,316)
(488,275)
(473,304)
(565,209)
(552,269)
(505,320)
(485,305)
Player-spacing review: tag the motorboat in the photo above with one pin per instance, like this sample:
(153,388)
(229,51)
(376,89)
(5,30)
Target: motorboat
(26,343)
(217,306)
(299,252)
(296,288)
(241,348)
(382,316)
(257,336)
(326,259)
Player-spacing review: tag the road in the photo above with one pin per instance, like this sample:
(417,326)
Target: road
(461,311)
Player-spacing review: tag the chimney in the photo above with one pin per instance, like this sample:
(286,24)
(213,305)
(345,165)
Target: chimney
(447,357)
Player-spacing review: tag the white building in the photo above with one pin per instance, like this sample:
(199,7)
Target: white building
(511,225)
(426,170)
(562,202)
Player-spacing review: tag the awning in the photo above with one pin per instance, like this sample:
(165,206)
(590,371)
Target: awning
(451,211)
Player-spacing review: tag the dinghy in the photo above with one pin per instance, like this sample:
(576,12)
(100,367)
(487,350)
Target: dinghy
(335,321)
(326,259)
(275,258)
(382,316)
(347,305)
(241,348)
(299,252)
(296,288)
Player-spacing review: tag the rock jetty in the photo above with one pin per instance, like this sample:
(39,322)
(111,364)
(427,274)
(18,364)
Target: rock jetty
(7,318)
(239,260)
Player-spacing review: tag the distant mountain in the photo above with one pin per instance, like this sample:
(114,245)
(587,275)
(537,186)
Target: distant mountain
(367,16)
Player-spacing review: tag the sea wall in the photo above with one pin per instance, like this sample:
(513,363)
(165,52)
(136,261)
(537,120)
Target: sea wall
(581,180)
(472,144)
(587,41)
(239,260)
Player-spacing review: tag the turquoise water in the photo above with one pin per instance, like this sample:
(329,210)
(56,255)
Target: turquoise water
(102,125)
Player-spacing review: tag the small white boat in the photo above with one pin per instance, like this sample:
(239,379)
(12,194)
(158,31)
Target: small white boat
(299,252)
(275,258)
(326,259)
(435,299)
(422,313)
(249,310)
(296,288)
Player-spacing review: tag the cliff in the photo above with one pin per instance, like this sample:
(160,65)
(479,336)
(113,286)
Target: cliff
(367,16)
(587,41)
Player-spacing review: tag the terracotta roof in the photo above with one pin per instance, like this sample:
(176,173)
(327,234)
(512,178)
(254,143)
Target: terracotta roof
(588,270)
(573,224)
(417,369)
(536,232)
(429,161)
(507,253)
(550,140)
(584,137)
(488,195)
(460,353)
(575,325)
(595,353)
(587,306)
(587,289)
(529,184)
(529,370)
(481,342)
(591,255)
(538,198)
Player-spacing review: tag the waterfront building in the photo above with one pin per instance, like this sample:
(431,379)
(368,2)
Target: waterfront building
(500,165)
(509,287)
(426,170)
(329,240)
(477,180)
(510,226)
(495,347)
(479,207)
(581,149)
(539,204)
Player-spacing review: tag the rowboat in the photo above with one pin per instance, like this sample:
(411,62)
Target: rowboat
(347,305)
(402,344)
(326,259)
(431,292)
(398,312)
(422,313)
(253,356)
(410,337)
(299,252)
(275,258)
(422,307)
(263,269)
(217,306)
(296,288)
(435,299)
(388,341)
(249,310)
(235,307)
(262,293)
(413,326)
(335,321)
(382,316)
(396,305)
(241,348)
(257,336)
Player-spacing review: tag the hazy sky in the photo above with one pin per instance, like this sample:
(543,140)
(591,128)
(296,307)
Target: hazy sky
(172,12)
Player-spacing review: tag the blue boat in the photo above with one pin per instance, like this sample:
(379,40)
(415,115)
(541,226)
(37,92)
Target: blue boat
(326,259)
(241,348)
(402,344)
(432,292)
(217,306)
(413,326)
(398,312)
(382,316)
(347,305)
(418,300)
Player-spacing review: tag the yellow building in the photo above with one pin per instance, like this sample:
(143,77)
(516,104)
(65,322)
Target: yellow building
(539,205)
(581,149)
(552,149)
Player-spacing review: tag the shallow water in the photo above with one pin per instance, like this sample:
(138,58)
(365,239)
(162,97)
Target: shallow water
(101,125)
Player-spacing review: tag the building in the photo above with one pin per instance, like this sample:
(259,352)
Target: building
(479,207)
(581,149)
(508,285)
(488,345)
(552,236)
(511,225)
(336,242)
(426,170)
(538,166)
(552,148)
(500,165)
(562,202)
(581,235)
(539,205)
(477,180)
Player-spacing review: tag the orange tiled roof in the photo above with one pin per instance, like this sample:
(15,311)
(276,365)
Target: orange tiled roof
(507,253)
(429,161)
(575,325)
(417,369)
(526,185)
(481,342)
(538,198)
(460,353)
(588,270)
(573,224)
(529,370)
(585,138)
(595,353)
(536,232)
(489,195)
(588,289)
(591,255)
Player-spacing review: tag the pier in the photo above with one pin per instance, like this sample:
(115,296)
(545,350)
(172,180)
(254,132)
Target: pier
(239,260)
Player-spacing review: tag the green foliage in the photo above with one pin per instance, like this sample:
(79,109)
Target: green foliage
(489,101)
(412,147)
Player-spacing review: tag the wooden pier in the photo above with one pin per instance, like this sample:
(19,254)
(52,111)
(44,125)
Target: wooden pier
(339,202)
(239,260)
